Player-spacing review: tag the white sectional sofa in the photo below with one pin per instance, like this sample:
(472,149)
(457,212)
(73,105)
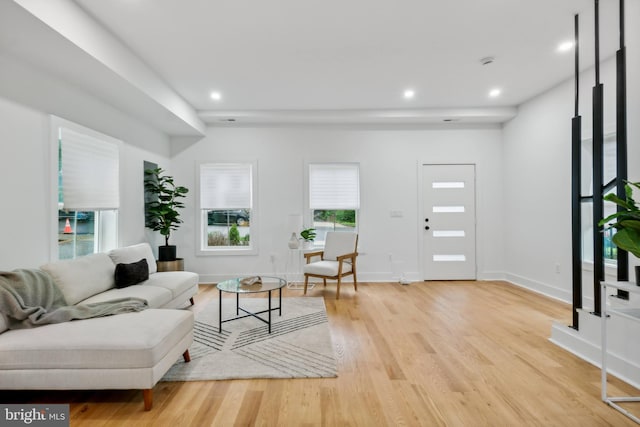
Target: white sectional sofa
(123,351)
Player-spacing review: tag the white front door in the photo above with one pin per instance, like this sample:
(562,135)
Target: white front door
(449,222)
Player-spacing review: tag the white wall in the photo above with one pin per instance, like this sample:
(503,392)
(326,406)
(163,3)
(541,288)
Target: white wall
(388,160)
(24,169)
(27,98)
(537,174)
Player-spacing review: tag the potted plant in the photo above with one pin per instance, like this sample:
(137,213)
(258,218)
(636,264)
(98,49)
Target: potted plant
(162,212)
(627,223)
(309,235)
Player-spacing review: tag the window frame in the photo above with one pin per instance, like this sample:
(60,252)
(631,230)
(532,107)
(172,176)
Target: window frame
(308,216)
(202,220)
(106,231)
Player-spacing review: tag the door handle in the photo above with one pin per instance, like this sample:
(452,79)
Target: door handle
(426,220)
(427,227)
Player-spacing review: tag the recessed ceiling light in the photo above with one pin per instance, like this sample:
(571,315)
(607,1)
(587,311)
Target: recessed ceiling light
(487,60)
(565,46)
(494,93)
(409,94)
(216,96)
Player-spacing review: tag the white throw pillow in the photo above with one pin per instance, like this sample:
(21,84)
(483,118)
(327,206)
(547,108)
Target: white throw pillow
(135,253)
(80,278)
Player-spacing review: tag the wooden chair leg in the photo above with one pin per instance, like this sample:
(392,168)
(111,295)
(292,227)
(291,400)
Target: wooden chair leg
(186,356)
(338,289)
(325,282)
(147,395)
(355,279)
(306,282)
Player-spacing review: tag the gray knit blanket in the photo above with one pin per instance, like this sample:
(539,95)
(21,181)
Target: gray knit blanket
(29,298)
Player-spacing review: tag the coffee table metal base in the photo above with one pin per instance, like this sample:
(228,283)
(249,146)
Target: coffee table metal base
(249,313)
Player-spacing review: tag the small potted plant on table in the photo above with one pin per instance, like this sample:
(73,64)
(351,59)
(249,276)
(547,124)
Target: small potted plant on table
(309,235)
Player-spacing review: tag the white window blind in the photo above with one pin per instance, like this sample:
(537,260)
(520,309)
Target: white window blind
(225,186)
(90,172)
(334,186)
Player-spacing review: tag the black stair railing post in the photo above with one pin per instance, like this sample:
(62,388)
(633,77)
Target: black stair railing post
(576,208)
(598,204)
(621,140)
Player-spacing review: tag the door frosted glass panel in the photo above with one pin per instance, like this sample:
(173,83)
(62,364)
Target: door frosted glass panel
(449,258)
(448,233)
(448,209)
(445,184)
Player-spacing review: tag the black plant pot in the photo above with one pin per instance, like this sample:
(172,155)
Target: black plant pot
(638,275)
(167,253)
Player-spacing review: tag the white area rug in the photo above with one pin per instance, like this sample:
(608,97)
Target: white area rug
(299,345)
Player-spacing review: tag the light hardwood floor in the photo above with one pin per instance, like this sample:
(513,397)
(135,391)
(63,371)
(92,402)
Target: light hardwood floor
(430,353)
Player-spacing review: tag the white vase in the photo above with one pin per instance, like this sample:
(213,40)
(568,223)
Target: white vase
(294,243)
(307,244)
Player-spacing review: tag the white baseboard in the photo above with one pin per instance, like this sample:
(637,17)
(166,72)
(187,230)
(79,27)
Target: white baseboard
(297,277)
(539,287)
(585,344)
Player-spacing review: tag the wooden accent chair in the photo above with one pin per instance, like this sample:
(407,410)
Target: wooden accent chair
(337,260)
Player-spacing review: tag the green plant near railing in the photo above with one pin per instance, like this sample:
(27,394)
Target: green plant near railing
(627,220)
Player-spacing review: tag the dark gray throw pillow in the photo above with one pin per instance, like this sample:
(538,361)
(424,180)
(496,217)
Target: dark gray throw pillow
(130,274)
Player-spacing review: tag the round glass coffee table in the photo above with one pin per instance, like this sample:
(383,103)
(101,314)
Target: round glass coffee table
(242,285)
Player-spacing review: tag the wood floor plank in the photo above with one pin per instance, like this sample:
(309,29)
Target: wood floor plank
(427,354)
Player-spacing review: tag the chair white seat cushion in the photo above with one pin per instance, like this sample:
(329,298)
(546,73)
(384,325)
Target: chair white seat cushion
(326,268)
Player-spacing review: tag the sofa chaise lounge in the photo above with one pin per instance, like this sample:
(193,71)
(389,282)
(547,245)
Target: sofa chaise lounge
(123,351)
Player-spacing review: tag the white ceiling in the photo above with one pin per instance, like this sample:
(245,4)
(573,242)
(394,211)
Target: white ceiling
(291,59)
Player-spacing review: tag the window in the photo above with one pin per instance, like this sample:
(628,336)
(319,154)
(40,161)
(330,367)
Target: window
(609,172)
(227,208)
(334,197)
(87,192)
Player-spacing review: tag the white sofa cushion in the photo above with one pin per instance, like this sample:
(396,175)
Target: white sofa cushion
(155,296)
(129,340)
(134,253)
(175,281)
(326,268)
(80,278)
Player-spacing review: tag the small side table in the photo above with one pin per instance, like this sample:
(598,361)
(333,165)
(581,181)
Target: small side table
(175,265)
(631,313)
(295,259)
